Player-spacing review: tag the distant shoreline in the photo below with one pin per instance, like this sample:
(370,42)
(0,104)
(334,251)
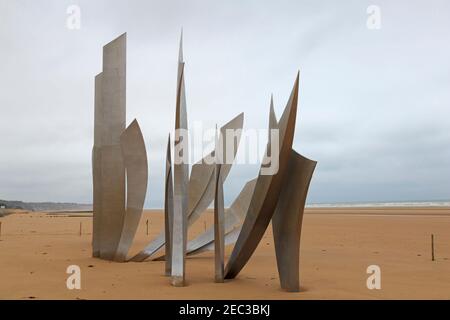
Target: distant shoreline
(392,204)
(71,208)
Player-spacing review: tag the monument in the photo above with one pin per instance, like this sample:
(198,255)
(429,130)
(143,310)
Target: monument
(120,172)
(119,161)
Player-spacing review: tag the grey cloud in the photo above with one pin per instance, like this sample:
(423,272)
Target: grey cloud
(374,105)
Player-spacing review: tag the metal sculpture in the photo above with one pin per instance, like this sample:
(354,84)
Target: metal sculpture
(219,223)
(201,186)
(117,154)
(96,168)
(111,122)
(168,210)
(287,219)
(119,165)
(290,186)
(234,217)
(202,175)
(265,196)
(135,161)
(180,181)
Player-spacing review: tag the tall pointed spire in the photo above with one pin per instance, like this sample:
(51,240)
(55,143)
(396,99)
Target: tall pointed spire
(219,215)
(180,181)
(218,148)
(273,125)
(272,117)
(290,111)
(267,190)
(180,50)
(111,170)
(168,210)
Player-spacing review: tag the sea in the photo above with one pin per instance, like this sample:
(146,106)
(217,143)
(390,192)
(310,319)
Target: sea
(431,203)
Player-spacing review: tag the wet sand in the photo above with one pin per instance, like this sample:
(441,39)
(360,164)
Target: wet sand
(338,244)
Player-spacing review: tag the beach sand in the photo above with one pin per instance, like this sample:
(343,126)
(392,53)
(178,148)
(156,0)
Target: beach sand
(338,244)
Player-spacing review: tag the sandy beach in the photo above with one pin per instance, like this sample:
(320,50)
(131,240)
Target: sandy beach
(338,244)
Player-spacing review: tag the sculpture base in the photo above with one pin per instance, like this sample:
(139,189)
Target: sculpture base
(177,281)
(219,280)
(291,289)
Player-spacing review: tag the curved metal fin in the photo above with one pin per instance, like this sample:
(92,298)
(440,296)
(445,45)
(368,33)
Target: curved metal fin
(180,182)
(96,168)
(287,219)
(201,187)
(265,196)
(201,183)
(168,210)
(113,120)
(135,161)
(234,217)
(219,227)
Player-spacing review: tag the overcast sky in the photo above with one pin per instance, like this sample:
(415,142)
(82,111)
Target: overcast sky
(374,106)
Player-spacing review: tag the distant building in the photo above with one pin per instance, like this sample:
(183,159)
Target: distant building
(2,206)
